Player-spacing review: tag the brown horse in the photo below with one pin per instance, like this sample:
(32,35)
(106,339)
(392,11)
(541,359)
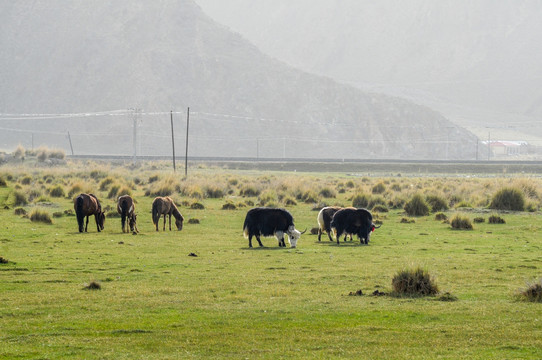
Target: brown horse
(126,209)
(86,205)
(166,206)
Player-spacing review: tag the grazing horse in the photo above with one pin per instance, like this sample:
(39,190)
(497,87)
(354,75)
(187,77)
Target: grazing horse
(166,206)
(86,205)
(126,209)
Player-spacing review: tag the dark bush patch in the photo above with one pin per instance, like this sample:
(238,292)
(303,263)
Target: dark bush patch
(495,219)
(17,198)
(289,201)
(461,222)
(229,206)
(414,282)
(447,297)
(193,221)
(3,182)
(437,203)
(417,206)
(93,286)
(39,215)
(441,216)
(197,206)
(508,199)
(19,211)
(57,191)
(407,221)
(314,231)
(380,208)
(533,292)
(249,191)
(379,188)
(69,212)
(58,214)
(356,293)
(327,193)
(3,260)
(360,201)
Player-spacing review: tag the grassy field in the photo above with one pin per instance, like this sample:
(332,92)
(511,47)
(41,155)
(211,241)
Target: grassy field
(230,301)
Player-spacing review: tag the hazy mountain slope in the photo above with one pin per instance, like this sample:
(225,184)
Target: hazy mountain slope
(82,56)
(476,61)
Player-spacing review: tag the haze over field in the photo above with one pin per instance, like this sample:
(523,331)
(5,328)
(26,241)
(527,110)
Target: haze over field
(94,60)
(477,62)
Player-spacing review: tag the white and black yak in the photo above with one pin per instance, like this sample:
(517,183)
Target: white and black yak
(263,221)
(324,221)
(353,221)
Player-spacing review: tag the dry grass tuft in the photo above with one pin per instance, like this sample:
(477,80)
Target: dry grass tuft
(495,219)
(414,282)
(40,215)
(461,222)
(532,293)
(93,285)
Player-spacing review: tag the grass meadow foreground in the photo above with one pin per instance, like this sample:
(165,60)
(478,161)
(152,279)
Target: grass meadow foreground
(202,293)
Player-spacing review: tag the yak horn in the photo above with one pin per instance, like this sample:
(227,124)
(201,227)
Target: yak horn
(304,231)
(377,227)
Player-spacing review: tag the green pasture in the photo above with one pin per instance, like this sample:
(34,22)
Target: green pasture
(230,301)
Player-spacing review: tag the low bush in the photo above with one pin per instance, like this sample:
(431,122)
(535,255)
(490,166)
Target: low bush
(19,211)
(193,221)
(379,188)
(104,184)
(249,191)
(437,203)
(213,192)
(360,201)
(39,215)
(417,206)
(414,282)
(380,208)
(496,219)
(57,191)
(479,220)
(113,191)
(508,199)
(3,182)
(461,222)
(17,198)
(327,193)
(407,221)
(229,206)
(197,206)
(532,293)
(441,216)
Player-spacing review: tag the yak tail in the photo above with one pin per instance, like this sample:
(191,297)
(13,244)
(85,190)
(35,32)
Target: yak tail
(155,213)
(245,229)
(79,213)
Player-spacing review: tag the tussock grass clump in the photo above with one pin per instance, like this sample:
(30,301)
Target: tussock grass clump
(17,198)
(165,187)
(437,203)
(327,193)
(26,180)
(360,201)
(508,199)
(213,192)
(417,206)
(19,152)
(447,297)
(267,198)
(3,260)
(40,215)
(289,201)
(124,190)
(461,222)
(407,221)
(229,206)
(58,214)
(75,189)
(496,219)
(57,191)
(380,208)
(197,206)
(3,182)
(193,221)
(249,191)
(479,220)
(93,285)
(19,211)
(532,293)
(413,282)
(441,216)
(113,191)
(104,184)
(379,188)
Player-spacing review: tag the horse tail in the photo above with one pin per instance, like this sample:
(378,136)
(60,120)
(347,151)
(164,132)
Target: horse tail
(123,214)
(155,213)
(79,212)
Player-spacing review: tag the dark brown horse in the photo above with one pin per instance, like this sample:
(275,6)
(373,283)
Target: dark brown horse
(166,206)
(126,209)
(86,205)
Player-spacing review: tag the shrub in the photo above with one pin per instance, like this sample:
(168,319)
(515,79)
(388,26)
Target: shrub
(533,292)
(97,174)
(104,184)
(17,198)
(93,286)
(153,178)
(57,191)
(213,192)
(495,219)
(350,184)
(113,191)
(19,211)
(3,182)
(249,191)
(327,193)
(289,201)
(267,197)
(229,206)
(125,190)
(26,180)
(437,203)
(58,214)
(309,197)
(75,189)
(42,154)
(460,222)
(379,188)
(463,204)
(380,208)
(417,206)
(19,152)
(407,221)
(197,206)
(39,215)
(414,282)
(508,199)
(59,154)
(441,216)
(360,201)
(479,220)
(193,221)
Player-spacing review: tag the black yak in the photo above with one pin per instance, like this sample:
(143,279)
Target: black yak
(324,221)
(264,221)
(353,221)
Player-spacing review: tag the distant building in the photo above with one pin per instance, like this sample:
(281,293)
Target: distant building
(508,148)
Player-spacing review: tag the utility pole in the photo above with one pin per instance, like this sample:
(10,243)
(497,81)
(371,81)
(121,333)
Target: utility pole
(186,153)
(136,113)
(488,145)
(69,138)
(172,139)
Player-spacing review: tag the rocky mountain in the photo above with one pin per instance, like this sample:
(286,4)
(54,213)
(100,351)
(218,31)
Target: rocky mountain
(91,58)
(477,62)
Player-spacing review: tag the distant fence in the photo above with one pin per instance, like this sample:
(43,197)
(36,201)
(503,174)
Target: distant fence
(136,133)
